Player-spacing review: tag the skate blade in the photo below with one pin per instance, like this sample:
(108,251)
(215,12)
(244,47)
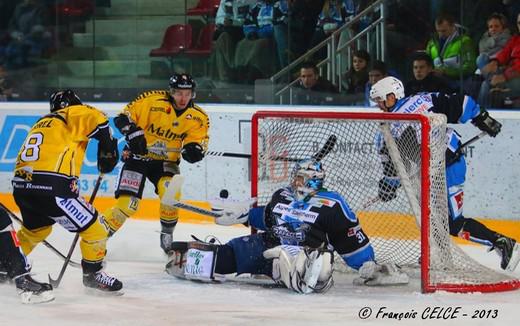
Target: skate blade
(515,259)
(32,298)
(101,293)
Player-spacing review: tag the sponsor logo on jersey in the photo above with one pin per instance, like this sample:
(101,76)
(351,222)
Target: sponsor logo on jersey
(286,210)
(318,202)
(353,230)
(285,234)
(158,109)
(74,186)
(419,104)
(164,133)
(75,211)
(189,117)
(130,181)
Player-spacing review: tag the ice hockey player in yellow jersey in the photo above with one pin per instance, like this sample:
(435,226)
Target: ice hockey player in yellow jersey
(160,127)
(45,183)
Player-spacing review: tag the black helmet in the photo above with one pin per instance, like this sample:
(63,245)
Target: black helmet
(182,81)
(61,99)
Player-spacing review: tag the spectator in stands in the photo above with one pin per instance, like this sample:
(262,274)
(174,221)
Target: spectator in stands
(332,16)
(29,34)
(357,76)
(504,74)
(424,80)
(230,18)
(453,52)
(302,24)
(493,40)
(281,31)
(377,71)
(256,56)
(313,89)
(6,90)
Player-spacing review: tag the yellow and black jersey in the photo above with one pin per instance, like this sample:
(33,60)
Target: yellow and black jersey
(52,155)
(165,127)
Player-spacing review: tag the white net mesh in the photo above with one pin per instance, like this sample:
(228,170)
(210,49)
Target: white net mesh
(353,169)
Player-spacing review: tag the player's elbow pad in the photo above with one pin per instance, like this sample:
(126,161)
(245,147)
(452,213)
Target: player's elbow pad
(107,156)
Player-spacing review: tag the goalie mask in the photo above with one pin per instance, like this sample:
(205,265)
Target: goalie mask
(306,179)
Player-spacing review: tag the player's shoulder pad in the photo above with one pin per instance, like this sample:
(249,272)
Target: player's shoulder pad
(336,199)
(155,94)
(198,109)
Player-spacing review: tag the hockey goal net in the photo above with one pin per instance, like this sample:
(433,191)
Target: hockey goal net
(410,230)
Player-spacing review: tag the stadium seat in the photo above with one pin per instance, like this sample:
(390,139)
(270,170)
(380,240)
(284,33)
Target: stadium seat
(176,40)
(74,8)
(204,44)
(204,8)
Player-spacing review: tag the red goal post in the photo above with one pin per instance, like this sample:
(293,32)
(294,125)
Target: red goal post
(410,230)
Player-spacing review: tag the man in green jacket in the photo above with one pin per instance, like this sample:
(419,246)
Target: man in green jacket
(453,53)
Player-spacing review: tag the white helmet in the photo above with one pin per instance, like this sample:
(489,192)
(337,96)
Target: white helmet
(385,86)
(311,175)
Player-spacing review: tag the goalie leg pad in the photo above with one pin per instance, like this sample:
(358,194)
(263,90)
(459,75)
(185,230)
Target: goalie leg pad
(196,263)
(373,274)
(302,270)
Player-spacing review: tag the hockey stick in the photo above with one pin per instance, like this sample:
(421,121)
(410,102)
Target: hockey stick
(47,244)
(460,151)
(174,187)
(208,153)
(327,147)
(56,283)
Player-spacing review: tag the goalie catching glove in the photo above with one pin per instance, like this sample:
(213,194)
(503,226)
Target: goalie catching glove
(232,212)
(303,270)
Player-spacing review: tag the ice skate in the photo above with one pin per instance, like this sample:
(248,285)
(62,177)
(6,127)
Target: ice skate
(32,291)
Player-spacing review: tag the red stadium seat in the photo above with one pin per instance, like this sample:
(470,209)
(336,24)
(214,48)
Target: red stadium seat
(204,44)
(204,8)
(74,8)
(176,40)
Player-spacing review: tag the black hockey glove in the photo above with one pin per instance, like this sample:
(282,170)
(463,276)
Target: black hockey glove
(192,152)
(107,159)
(486,123)
(136,140)
(388,189)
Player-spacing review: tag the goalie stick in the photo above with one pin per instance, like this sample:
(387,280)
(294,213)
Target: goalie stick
(324,151)
(56,283)
(177,180)
(47,244)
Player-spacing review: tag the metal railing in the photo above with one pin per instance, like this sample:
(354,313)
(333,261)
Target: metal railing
(339,56)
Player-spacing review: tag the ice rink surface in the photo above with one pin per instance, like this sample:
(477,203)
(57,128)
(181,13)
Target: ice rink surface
(153,297)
